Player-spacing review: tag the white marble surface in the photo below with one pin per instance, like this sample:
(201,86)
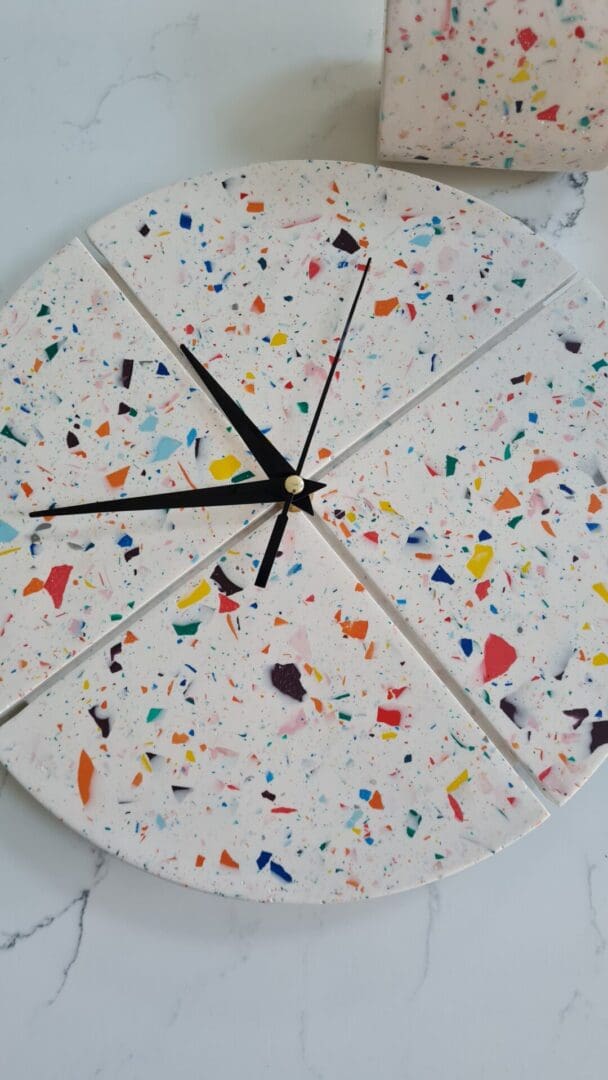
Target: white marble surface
(500,972)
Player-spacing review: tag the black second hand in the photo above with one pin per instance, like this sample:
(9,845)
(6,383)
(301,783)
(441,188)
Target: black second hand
(281,521)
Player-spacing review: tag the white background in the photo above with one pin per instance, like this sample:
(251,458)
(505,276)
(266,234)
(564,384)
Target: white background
(499,973)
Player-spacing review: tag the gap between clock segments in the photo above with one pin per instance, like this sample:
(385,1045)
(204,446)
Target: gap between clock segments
(431,388)
(109,635)
(425,654)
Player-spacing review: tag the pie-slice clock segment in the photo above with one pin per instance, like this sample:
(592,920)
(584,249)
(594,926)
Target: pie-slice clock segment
(483,515)
(294,731)
(276,744)
(94,406)
(254,271)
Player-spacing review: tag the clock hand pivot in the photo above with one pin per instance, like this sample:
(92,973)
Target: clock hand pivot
(294,485)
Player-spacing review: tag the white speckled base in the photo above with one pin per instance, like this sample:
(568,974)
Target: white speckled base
(513,85)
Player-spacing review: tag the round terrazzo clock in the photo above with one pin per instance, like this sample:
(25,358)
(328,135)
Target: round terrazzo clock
(304,572)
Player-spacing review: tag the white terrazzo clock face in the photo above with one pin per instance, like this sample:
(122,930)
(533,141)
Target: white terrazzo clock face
(310,740)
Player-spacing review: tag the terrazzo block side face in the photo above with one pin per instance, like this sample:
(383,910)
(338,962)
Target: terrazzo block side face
(483,515)
(255,270)
(93,405)
(505,85)
(283,744)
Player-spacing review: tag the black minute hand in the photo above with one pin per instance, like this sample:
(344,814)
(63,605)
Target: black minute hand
(255,491)
(266,455)
(281,522)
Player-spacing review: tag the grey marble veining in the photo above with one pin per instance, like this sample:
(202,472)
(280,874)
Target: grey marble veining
(105,972)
